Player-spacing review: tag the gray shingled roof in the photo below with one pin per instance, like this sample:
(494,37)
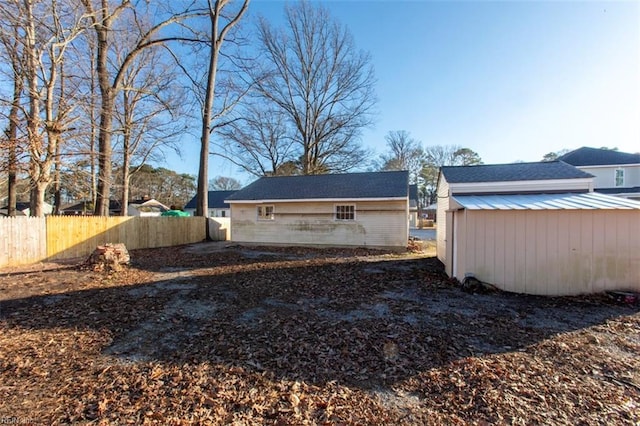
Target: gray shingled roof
(512,172)
(599,157)
(215,200)
(337,186)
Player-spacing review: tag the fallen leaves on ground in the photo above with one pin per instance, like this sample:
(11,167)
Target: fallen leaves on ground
(266,335)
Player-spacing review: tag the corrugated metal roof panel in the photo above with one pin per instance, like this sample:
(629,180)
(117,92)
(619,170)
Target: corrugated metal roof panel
(585,201)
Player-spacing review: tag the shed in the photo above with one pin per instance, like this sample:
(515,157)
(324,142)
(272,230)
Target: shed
(353,209)
(547,244)
(536,228)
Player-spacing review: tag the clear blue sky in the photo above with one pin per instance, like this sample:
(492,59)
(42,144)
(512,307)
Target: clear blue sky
(511,80)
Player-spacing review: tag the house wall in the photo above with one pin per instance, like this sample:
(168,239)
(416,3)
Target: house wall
(605,175)
(212,212)
(515,187)
(549,252)
(441,216)
(377,224)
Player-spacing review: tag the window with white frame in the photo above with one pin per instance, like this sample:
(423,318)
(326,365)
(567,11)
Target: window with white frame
(265,212)
(345,212)
(619,177)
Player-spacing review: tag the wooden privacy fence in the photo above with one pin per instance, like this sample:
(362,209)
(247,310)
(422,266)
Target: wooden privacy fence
(22,240)
(25,240)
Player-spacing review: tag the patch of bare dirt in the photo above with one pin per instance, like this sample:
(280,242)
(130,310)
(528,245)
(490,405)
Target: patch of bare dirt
(272,335)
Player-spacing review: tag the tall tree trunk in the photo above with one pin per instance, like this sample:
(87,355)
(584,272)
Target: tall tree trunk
(33,115)
(126,147)
(12,133)
(202,206)
(216,39)
(106,114)
(57,187)
(93,133)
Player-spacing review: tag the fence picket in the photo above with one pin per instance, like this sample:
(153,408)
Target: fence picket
(25,240)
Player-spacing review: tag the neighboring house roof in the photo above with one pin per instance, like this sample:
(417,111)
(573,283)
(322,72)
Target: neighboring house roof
(82,206)
(20,206)
(570,201)
(599,157)
(215,200)
(413,196)
(512,172)
(24,208)
(151,205)
(619,190)
(393,184)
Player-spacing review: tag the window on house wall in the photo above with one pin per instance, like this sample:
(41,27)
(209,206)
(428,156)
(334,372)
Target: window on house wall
(223,213)
(619,177)
(345,212)
(265,212)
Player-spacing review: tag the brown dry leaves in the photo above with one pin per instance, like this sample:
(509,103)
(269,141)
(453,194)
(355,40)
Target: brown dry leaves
(304,336)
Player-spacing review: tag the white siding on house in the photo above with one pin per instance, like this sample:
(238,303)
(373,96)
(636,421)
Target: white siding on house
(516,187)
(212,212)
(377,224)
(549,252)
(605,175)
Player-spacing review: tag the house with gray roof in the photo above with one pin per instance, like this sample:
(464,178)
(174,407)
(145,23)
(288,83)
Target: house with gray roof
(218,207)
(353,209)
(536,228)
(616,173)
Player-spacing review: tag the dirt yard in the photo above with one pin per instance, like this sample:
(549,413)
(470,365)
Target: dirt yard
(211,335)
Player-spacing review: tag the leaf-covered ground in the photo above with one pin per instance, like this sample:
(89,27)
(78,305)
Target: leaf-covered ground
(205,335)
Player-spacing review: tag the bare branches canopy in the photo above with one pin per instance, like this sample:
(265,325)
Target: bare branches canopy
(312,94)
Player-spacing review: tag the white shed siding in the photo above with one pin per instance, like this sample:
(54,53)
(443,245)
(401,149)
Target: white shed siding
(377,224)
(441,219)
(550,252)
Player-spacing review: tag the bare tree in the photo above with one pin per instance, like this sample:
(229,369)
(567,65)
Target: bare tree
(224,183)
(111,72)
(221,22)
(314,74)
(258,142)
(443,155)
(13,54)
(148,114)
(47,29)
(405,153)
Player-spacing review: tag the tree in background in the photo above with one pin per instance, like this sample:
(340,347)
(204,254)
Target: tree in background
(258,141)
(44,30)
(553,156)
(111,68)
(164,185)
(221,22)
(148,115)
(405,153)
(224,183)
(12,54)
(443,155)
(312,73)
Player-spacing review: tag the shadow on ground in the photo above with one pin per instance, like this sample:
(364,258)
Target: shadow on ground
(319,317)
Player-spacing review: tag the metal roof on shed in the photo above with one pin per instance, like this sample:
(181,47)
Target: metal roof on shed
(569,201)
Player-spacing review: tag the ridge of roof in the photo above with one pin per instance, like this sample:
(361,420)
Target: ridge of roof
(586,156)
(512,172)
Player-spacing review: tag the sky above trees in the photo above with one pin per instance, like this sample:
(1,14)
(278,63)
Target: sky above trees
(509,80)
